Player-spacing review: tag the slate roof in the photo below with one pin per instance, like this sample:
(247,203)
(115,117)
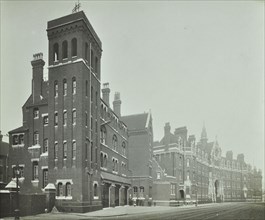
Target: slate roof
(135,122)
(20,129)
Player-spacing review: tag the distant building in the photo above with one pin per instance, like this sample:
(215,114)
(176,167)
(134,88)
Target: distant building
(202,173)
(4,147)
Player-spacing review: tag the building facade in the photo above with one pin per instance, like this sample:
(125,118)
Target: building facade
(4,148)
(70,136)
(202,173)
(140,131)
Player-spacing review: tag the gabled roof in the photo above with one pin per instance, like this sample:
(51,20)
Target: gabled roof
(136,122)
(172,139)
(20,129)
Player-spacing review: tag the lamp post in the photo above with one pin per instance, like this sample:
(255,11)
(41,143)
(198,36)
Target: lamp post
(17,173)
(196,185)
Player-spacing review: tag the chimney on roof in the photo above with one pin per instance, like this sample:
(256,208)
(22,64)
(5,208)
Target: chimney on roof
(105,93)
(117,104)
(167,128)
(37,76)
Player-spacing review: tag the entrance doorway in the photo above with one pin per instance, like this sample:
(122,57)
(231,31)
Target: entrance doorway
(105,195)
(217,190)
(181,192)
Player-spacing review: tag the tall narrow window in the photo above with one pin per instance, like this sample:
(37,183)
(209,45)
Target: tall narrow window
(86,51)
(123,148)
(45,178)
(64,87)
(74,150)
(65,118)
(55,88)
(91,94)
(15,139)
(96,99)
(86,88)
(35,167)
(74,86)
(65,150)
(56,151)
(101,160)
(114,142)
(68,189)
(74,117)
(103,135)
(95,190)
(56,52)
(92,59)
(36,138)
(91,151)
(96,64)
(55,118)
(45,145)
(60,189)
(74,47)
(65,49)
(86,151)
(86,119)
(188,162)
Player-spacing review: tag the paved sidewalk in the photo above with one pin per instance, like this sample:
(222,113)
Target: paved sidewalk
(109,212)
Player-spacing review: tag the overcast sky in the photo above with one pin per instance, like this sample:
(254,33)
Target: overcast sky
(187,62)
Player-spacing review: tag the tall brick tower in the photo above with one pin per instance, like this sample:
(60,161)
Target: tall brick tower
(74,97)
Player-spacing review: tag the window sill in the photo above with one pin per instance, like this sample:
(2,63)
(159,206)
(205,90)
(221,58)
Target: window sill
(64,197)
(95,197)
(17,145)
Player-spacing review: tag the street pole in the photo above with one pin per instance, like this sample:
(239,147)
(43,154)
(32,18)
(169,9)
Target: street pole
(196,194)
(17,199)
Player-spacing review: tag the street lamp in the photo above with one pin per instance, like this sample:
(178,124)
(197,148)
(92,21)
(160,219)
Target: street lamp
(17,173)
(196,185)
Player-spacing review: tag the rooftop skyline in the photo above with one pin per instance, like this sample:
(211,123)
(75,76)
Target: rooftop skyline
(187,62)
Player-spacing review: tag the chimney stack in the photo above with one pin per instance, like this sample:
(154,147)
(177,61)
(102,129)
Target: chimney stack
(37,76)
(167,128)
(105,93)
(117,104)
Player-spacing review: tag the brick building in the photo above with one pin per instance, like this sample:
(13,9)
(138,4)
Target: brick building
(140,131)
(202,172)
(70,137)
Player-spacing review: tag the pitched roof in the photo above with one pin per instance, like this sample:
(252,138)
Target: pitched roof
(20,129)
(135,122)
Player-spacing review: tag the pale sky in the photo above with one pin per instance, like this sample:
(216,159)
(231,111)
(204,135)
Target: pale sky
(187,62)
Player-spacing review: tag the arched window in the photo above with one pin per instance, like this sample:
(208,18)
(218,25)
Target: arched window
(101,160)
(74,150)
(64,87)
(135,189)
(141,189)
(65,118)
(74,47)
(123,148)
(74,86)
(86,51)
(74,117)
(95,189)
(103,135)
(60,189)
(55,118)
(65,49)
(68,189)
(65,150)
(114,142)
(56,52)
(56,89)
